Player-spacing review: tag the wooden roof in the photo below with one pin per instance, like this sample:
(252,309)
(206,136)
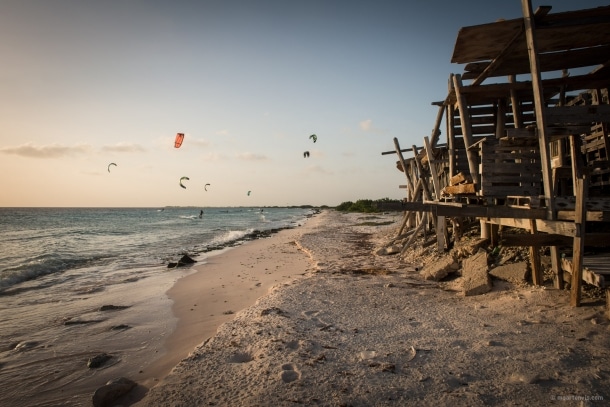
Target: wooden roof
(565,40)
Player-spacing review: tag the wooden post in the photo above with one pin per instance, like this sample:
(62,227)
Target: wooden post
(437,124)
(539,104)
(441,230)
(608,303)
(466,131)
(409,183)
(514,102)
(501,119)
(537,278)
(414,235)
(451,140)
(580,215)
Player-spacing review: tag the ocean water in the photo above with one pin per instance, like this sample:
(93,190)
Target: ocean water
(58,266)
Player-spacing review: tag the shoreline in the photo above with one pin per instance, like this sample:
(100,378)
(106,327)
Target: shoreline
(366,330)
(228,282)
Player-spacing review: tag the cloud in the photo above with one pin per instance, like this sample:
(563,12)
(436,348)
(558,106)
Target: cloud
(318,170)
(252,157)
(223,132)
(198,142)
(366,125)
(213,156)
(124,148)
(46,151)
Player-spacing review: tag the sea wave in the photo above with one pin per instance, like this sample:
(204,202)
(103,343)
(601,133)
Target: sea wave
(40,266)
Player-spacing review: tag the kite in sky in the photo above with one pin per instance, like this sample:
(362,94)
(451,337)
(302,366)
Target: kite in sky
(249,193)
(206,186)
(183,178)
(110,165)
(306,154)
(314,137)
(178,141)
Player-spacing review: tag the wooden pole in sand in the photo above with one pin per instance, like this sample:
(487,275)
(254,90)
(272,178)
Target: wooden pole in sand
(441,234)
(580,214)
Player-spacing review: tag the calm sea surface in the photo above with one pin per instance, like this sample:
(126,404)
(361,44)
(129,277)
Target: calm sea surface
(58,266)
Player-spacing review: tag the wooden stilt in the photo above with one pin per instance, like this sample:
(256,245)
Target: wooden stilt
(537,278)
(580,212)
(466,131)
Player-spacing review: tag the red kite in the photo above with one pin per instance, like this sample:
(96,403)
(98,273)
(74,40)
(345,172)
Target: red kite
(178,141)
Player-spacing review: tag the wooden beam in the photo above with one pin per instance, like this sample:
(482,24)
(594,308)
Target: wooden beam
(497,61)
(480,211)
(539,103)
(466,129)
(401,159)
(537,240)
(542,225)
(436,132)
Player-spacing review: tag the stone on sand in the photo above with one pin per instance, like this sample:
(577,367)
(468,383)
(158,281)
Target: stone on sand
(112,390)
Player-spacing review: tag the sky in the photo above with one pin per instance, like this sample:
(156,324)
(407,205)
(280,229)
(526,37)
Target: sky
(87,83)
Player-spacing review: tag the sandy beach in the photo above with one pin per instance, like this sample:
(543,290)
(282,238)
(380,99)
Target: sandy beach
(327,322)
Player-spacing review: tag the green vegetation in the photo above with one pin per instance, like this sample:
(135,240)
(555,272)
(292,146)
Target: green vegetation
(366,205)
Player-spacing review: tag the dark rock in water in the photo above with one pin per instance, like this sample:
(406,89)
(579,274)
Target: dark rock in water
(113,307)
(112,390)
(98,360)
(184,260)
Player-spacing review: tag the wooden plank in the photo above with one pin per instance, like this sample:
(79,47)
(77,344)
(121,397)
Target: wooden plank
(592,204)
(592,216)
(461,189)
(460,178)
(480,211)
(537,240)
(567,30)
(579,115)
(502,192)
(586,274)
(567,59)
(542,225)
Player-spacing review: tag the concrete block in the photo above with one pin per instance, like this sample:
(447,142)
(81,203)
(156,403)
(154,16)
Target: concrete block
(439,269)
(510,272)
(475,273)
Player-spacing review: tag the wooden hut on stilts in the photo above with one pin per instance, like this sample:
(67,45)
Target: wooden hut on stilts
(530,150)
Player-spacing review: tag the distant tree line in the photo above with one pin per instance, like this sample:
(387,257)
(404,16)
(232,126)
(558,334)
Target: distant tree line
(369,205)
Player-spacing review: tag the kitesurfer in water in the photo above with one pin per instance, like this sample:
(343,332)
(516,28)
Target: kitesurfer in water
(201,214)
